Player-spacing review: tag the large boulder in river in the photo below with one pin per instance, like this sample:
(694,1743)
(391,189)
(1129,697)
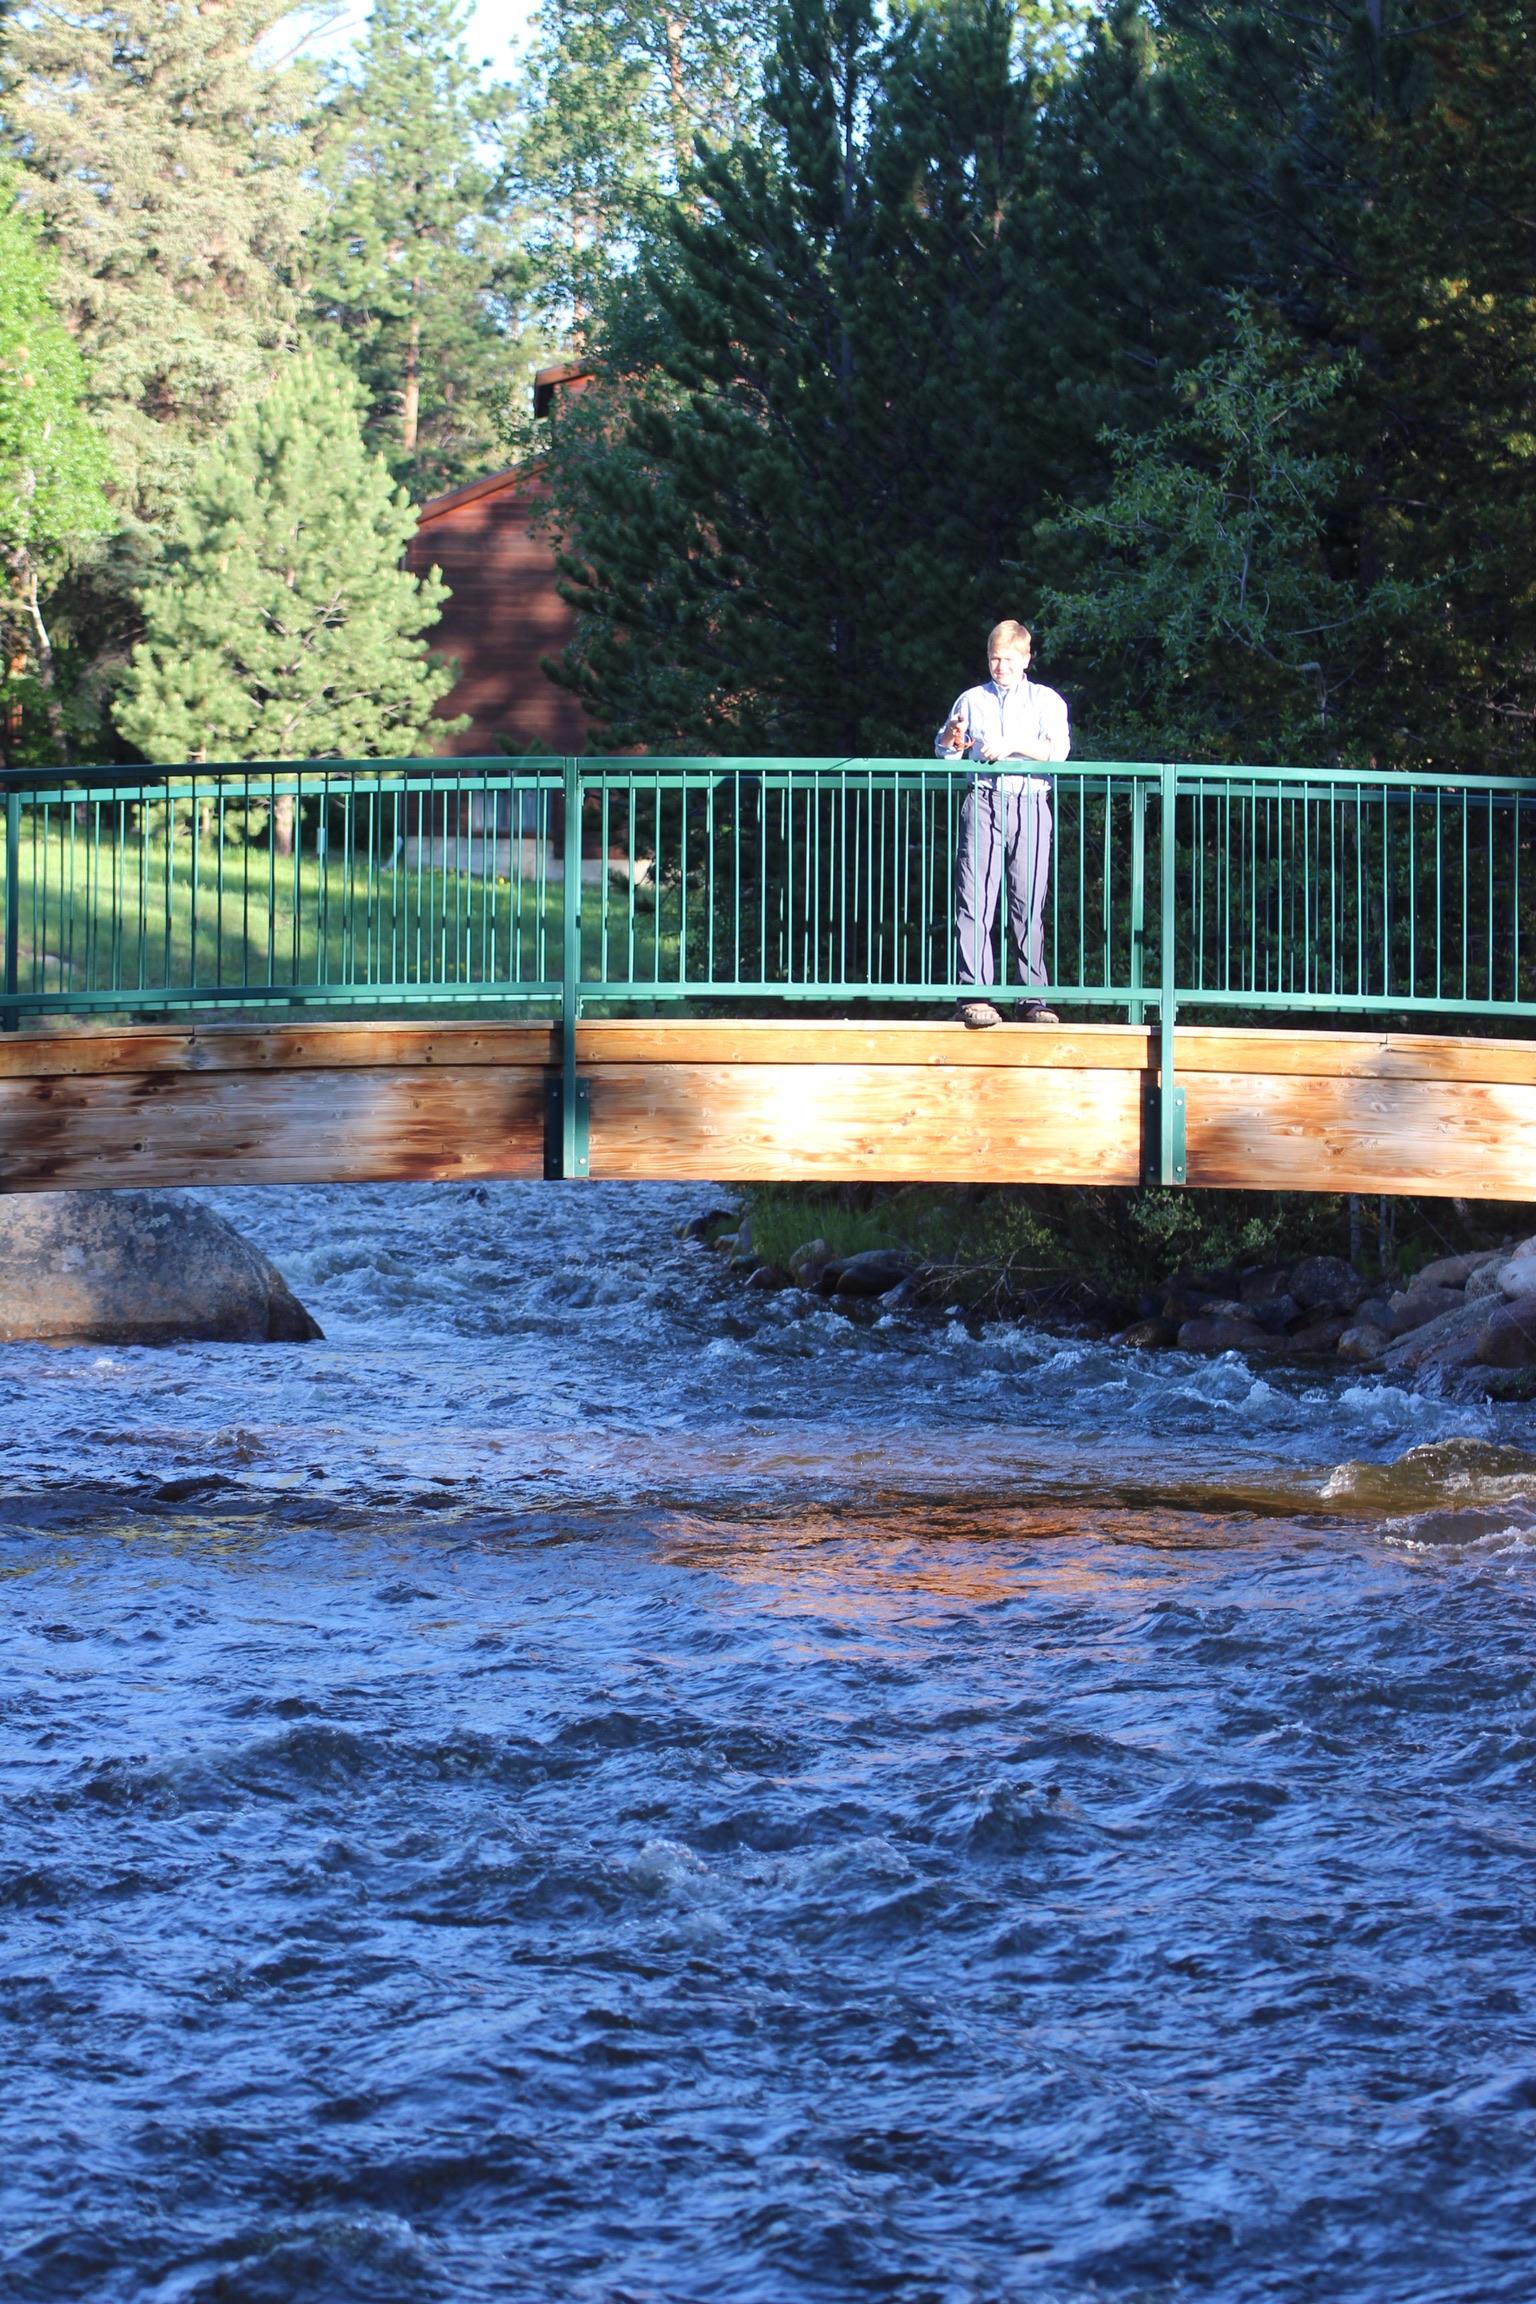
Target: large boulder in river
(136,1268)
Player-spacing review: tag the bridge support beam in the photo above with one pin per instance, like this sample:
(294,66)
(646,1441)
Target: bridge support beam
(720,1101)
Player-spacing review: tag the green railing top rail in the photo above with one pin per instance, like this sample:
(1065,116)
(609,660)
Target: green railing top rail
(641,770)
(513,884)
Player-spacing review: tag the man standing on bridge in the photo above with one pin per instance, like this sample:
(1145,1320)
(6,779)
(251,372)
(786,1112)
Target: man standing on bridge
(1005,821)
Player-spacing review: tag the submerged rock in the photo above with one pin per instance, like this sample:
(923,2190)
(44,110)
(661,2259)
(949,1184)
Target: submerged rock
(1220,1330)
(137,1268)
(873,1271)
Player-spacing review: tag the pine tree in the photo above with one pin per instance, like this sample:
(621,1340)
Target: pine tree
(1133,246)
(283,626)
(1381,167)
(414,271)
(614,97)
(163,161)
(53,463)
(804,531)
(1211,625)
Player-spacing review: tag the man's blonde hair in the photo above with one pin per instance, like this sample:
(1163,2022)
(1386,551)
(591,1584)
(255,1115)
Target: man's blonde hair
(1008,634)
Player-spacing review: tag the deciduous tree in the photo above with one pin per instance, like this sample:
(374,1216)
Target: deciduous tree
(53,464)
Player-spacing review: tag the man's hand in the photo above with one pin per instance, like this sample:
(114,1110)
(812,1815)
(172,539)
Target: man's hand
(953,738)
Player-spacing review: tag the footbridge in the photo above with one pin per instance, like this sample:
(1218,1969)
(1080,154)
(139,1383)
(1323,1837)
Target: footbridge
(743,969)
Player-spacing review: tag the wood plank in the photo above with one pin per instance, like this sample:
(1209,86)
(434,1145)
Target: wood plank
(1273,1049)
(270,1128)
(877,1040)
(733,1123)
(672,1039)
(1365,1135)
(739,1098)
(153,1048)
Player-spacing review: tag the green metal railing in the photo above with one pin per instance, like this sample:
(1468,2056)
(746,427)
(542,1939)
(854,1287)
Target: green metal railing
(557,886)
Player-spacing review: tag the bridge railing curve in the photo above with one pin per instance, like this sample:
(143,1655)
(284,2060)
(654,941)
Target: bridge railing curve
(552,885)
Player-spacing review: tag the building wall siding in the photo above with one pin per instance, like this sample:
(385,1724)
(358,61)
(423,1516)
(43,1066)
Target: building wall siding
(504,614)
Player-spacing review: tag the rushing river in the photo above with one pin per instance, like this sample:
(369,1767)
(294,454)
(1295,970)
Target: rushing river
(593,1786)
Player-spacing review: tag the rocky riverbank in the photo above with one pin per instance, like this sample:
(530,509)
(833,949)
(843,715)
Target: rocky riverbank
(1467,1320)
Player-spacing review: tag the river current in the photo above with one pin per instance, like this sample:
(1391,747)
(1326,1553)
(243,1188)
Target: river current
(592,1785)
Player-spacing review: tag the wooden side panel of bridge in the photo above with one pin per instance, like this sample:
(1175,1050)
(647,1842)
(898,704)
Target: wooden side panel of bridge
(731,1101)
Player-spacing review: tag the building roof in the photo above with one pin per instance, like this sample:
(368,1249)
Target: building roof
(506,482)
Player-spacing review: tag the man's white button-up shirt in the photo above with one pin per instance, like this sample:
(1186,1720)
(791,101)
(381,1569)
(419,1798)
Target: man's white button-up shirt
(1004,720)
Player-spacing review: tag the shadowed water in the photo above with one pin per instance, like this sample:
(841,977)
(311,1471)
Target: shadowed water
(588,1785)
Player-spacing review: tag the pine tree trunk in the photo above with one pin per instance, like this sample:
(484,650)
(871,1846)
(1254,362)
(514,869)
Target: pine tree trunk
(282,824)
(678,102)
(410,401)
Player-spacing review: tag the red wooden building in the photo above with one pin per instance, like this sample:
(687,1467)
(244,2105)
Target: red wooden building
(503,612)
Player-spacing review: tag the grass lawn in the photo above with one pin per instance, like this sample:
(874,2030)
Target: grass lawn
(114,927)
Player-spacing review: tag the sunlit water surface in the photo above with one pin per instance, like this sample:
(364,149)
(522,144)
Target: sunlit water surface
(594,1785)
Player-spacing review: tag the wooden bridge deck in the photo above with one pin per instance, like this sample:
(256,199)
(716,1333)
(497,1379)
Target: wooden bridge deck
(727,1101)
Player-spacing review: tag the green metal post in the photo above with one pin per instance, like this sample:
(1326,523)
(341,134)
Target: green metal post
(12,1018)
(1138,1006)
(1170,1163)
(571,1157)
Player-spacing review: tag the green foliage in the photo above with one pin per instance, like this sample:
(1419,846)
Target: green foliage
(991,1248)
(52,458)
(415,273)
(53,464)
(1377,177)
(282,626)
(615,97)
(164,163)
(1212,625)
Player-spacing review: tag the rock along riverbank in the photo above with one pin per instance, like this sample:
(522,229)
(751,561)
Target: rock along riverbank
(1466,1321)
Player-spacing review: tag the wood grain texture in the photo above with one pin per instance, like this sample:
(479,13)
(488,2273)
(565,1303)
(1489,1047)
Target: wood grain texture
(392,1046)
(405,1042)
(884,1122)
(228,1127)
(880,1040)
(1356,1055)
(738,1099)
(1331,1134)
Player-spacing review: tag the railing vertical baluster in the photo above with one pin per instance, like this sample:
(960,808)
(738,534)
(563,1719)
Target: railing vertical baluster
(12,908)
(1170,1097)
(1137,1008)
(573,1134)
